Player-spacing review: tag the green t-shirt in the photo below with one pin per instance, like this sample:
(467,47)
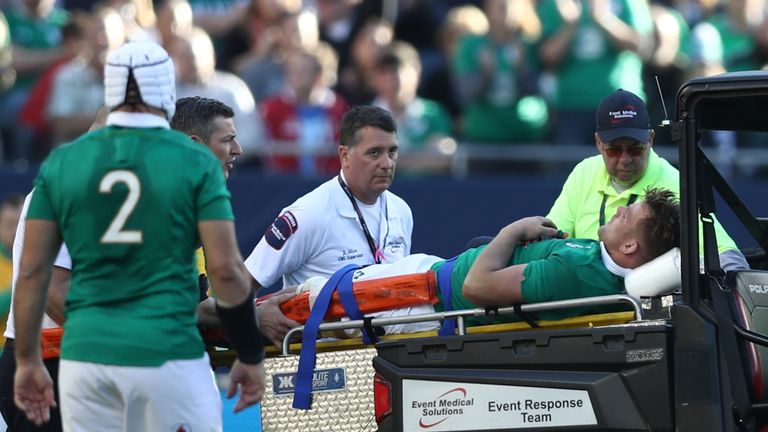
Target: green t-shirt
(128,202)
(593,67)
(557,270)
(577,209)
(501,114)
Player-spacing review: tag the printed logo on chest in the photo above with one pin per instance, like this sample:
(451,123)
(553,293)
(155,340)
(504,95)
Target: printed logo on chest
(396,246)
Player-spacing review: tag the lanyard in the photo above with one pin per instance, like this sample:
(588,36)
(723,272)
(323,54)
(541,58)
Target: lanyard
(368,237)
(630,201)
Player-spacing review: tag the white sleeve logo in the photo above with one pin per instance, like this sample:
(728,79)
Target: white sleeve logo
(115,232)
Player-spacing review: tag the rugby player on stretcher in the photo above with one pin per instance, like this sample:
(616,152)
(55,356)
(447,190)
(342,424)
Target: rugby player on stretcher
(517,266)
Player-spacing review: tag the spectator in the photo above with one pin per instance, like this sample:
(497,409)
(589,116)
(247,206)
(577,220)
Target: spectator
(592,47)
(496,77)
(34,113)
(218,17)
(739,23)
(441,87)
(35,28)
(197,76)
(705,52)
(411,18)
(340,21)
(138,16)
(355,77)
(78,87)
(174,20)
(420,122)
(257,33)
(263,68)
(302,124)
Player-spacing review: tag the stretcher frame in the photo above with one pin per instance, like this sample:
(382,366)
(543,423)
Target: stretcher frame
(225,357)
(351,409)
(460,315)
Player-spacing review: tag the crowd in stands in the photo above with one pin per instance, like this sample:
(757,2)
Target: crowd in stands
(500,72)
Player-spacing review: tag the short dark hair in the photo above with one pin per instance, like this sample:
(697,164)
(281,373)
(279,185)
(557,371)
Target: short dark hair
(360,117)
(195,115)
(661,229)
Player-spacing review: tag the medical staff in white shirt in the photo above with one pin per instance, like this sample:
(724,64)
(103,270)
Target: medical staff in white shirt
(350,219)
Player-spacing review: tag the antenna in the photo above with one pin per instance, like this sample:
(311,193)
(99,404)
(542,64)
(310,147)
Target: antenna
(666,121)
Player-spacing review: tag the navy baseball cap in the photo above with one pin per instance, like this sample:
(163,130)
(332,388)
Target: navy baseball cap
(622,114)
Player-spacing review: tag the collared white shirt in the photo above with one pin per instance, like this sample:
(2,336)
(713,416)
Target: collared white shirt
(320,233)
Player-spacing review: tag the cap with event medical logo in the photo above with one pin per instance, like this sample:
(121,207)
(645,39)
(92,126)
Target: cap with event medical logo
(622,114)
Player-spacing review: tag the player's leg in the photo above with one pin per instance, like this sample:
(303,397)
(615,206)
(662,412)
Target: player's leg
(179,395)
(90,399)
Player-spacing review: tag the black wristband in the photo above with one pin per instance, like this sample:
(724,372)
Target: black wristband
(243,333)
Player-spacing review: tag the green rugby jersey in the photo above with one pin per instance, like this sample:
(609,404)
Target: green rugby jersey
(557,270)
(128,201)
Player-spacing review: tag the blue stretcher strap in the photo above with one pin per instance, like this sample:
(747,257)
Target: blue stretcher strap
(348,300)
(302,397)
(448,328)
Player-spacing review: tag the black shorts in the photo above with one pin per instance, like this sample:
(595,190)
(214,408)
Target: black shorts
(14,417)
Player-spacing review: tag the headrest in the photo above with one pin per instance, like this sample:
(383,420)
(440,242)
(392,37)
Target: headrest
(658,276)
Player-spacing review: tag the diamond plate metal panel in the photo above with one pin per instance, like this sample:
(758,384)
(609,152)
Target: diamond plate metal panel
(347,410)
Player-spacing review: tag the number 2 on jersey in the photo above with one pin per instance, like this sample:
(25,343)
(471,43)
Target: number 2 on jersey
(115,232)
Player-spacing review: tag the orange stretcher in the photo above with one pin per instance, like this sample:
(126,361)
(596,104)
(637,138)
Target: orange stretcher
(51,342)
(373,295)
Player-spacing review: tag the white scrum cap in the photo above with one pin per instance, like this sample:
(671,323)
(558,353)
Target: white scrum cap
(153,71)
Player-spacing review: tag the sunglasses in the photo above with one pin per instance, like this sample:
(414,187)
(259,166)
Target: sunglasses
(634,151)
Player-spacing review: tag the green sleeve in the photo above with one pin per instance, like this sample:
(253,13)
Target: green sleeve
(41,206)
